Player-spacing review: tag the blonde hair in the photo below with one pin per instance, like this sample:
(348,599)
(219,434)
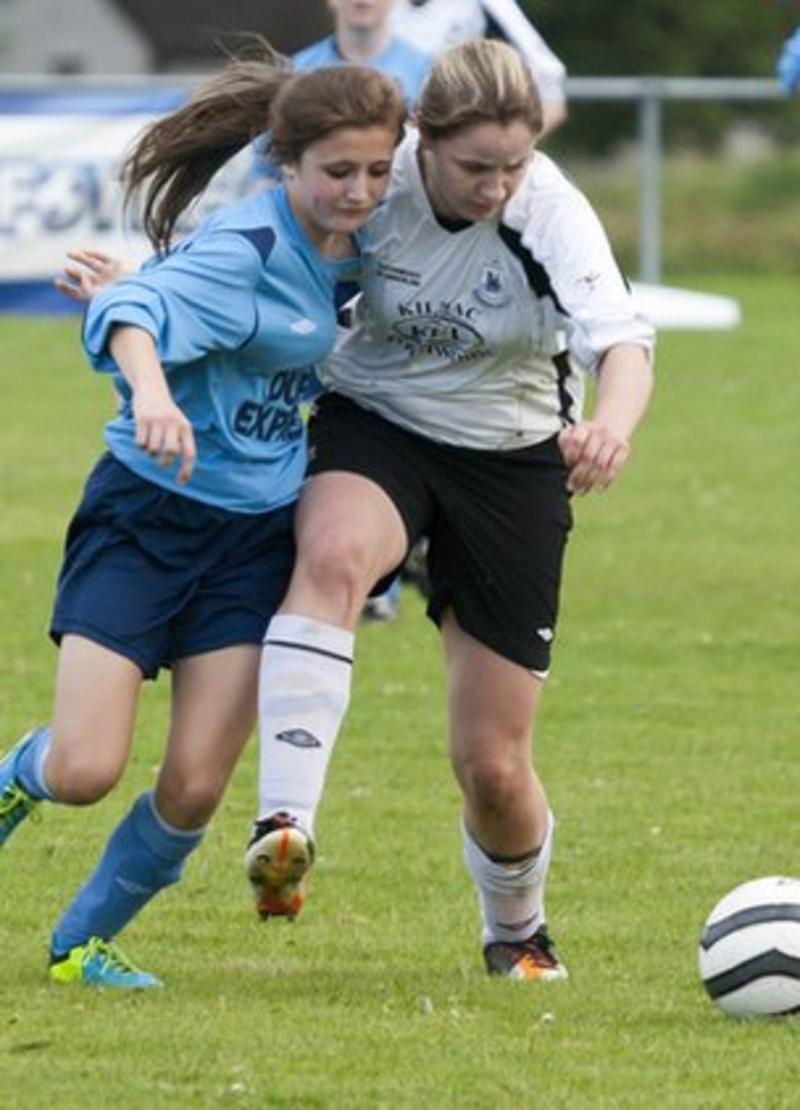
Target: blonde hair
(177,156)
(484,81)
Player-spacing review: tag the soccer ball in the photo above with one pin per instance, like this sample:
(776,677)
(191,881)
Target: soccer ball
(749,953)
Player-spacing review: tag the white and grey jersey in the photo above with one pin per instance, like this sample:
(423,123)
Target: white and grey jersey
(433,25)
(480,335)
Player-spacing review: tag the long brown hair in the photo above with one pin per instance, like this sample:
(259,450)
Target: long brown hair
(176,157)
(484,81)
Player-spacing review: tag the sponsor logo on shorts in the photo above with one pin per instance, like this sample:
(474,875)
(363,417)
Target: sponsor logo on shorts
(546,634)
(298,738)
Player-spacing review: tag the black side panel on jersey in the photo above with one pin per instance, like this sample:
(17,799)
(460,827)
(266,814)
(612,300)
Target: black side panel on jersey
(494,30)
(539,281)
(537,276)
(566,402)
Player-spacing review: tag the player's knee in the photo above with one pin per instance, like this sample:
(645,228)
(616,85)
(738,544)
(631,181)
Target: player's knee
(81,778)
(490,779)
(336,565)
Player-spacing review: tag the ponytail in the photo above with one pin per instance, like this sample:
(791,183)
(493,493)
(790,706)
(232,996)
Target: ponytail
(178,155)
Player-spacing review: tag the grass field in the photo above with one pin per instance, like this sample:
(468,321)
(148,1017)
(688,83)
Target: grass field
(669,741)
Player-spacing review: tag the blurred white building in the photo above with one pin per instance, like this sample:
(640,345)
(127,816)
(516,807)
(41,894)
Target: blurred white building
(70,36)
(140,36)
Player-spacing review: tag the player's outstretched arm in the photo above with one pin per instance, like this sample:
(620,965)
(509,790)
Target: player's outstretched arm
(89,271)
(162,429)
(596,450)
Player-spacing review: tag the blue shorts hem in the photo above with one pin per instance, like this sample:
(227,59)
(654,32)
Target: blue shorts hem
(148,668)
(204,648)
(76,628)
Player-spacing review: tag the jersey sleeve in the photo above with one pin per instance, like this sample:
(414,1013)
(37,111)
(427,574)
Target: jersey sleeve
(593,299)
(200,298)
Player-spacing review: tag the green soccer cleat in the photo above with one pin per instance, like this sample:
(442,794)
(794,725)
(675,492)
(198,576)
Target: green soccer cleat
(15,803)
(99,963)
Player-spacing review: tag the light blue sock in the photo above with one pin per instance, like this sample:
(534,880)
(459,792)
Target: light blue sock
(143,855)
(30,765)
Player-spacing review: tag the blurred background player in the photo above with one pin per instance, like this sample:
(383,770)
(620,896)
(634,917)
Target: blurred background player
(362,35)
(437,24)
(788,67)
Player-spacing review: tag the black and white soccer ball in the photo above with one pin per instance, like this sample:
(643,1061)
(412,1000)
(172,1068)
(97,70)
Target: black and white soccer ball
(749,953)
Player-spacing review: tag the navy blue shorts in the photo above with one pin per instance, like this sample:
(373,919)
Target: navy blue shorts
(157,577)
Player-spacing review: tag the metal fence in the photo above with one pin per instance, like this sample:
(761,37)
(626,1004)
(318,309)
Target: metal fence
(648,94)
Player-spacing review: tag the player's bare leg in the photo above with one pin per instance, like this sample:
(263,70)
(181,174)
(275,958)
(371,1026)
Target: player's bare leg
(80,755)
(213,711)
(507,821)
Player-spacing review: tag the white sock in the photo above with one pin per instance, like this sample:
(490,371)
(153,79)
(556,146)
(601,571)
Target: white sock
(511,894)
(304,689)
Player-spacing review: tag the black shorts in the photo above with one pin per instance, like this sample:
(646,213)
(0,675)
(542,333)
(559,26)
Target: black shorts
(497,521)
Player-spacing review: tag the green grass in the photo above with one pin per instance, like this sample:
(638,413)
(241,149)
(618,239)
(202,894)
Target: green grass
(668,741)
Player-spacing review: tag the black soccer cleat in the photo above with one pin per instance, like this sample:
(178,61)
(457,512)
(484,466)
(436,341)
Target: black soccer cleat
(528,960)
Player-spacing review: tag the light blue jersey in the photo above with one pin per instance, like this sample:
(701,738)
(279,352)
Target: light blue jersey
(400,60)
(239,310)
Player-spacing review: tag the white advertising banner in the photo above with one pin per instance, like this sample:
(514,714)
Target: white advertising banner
(60,157)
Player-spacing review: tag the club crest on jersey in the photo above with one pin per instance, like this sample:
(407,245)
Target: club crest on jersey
(492,290)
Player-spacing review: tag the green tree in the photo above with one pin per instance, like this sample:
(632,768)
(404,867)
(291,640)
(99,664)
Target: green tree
(672,38)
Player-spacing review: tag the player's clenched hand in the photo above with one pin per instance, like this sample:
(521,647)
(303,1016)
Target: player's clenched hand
(594,455)
(87,272)
(163,430)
